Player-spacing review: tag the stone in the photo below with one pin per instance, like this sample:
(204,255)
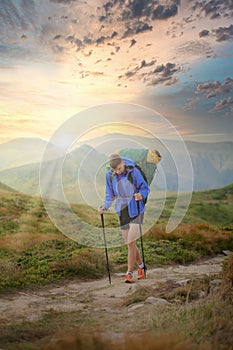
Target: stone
(183,282)
(133,287)
(135,306)
(153,300)
(227,252)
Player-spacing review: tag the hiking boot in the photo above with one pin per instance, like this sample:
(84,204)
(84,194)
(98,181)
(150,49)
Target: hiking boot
(129,278)
(141,272)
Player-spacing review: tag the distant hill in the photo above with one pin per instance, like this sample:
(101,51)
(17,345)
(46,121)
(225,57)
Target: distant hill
(212,162)
(22,151)
(26,178)
(5,188)
(20,162)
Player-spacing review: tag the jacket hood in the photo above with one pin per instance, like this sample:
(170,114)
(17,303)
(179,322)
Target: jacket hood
(128,162)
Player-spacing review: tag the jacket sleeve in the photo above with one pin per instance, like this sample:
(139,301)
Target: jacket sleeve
(109,193)
(140,184)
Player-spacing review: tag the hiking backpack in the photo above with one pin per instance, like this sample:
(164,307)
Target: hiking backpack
(145,161)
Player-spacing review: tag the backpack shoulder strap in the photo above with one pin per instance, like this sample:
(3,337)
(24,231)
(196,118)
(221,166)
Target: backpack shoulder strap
(142,172)
(130,178)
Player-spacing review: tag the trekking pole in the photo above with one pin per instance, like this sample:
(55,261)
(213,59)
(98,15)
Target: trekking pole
(140,228)
(105,245)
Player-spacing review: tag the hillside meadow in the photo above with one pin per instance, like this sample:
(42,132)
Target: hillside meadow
(34,255)
(34,252)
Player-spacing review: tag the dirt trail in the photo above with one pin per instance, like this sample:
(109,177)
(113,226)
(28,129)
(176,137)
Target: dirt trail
(99,298)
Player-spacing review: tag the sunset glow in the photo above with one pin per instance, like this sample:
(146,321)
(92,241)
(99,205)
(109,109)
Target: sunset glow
(64,63)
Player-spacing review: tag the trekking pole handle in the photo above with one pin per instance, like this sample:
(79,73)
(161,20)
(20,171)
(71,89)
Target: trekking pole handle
(102,220)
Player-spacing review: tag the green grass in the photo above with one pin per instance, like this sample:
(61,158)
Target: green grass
(203,322)
(187,243)
(49,261)
(55,259)
(214,206)
(34,252)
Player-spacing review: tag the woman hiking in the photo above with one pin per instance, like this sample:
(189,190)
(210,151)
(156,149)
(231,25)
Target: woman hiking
(126,185)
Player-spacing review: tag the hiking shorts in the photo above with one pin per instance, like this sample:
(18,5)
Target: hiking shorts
(125,219)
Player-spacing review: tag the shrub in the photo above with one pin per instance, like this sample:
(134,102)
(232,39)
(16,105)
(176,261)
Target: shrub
(50,261)
(227,283)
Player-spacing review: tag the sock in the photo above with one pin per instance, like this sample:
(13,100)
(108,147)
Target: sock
(141,265)
(131,273)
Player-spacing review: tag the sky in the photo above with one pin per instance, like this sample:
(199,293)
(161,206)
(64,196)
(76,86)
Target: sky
(59,58)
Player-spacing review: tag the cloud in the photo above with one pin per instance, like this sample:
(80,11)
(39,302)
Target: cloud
(133,42)
(211,8)
(223,104)
(15,16)
(142,65)
(102,39)
(114,34)
(207,87)
(204,32)
(70,38)
(166,70)
(57,37)
(85,74)
(142,27)
(131,13)
(108,6)
(167,81)
(164,11)
(192,103)
(135,8)
(138,27)
(147,64)
(212,89)
(163,74)
(193,48)
(149,9)
(223,33)
(24,37)
(214,8)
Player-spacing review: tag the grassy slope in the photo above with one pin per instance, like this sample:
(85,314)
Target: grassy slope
(33,252)
(214,207)
(5,188)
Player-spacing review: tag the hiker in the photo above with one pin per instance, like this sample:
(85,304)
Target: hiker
(125,183)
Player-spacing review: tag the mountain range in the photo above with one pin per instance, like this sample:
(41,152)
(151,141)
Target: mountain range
(22,151)
(20,161)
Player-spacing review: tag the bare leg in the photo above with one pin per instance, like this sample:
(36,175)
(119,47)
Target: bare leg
(130,237)
(138,256)
(131,255)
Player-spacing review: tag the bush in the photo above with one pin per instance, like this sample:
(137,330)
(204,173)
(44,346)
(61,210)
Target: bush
(227,284)
(50,261)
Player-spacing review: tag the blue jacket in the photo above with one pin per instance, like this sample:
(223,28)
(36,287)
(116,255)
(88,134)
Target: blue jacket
(119,187)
